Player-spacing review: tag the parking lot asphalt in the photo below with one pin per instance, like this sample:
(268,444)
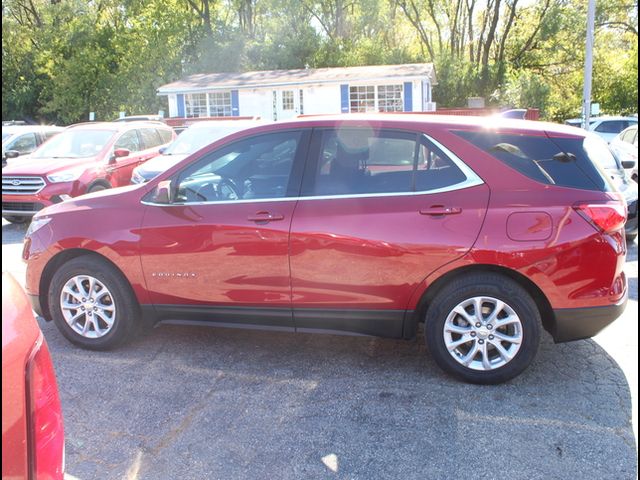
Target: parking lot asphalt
(213,403)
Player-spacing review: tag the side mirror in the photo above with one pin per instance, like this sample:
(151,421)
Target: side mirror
(625,163)
(119,153)
(163,193)
(162,150)
(11,154)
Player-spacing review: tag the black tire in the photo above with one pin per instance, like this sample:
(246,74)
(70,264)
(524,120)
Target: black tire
(98,187)
(17,220)
(631,236)
(126,322)
(489,285)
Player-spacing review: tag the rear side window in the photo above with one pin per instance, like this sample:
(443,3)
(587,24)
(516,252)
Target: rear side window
(150,138)
(361,161)
(165,135)
(612,126)
(558,161)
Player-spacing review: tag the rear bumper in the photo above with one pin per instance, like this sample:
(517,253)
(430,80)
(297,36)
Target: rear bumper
(578,323)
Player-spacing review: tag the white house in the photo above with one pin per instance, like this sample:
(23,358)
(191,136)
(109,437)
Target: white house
(280,94)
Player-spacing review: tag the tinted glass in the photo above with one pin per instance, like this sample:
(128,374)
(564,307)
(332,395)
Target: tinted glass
(360,161)
(130,141)
(150,137)
(75,143)
(611,126)
(24,143)
(253,168)
(558,161)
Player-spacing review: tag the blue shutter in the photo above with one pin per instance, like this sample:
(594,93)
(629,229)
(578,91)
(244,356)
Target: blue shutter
(344,98)
(408,96)
(181,105)
(235,103)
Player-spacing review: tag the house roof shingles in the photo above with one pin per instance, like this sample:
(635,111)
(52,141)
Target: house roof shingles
(273,78)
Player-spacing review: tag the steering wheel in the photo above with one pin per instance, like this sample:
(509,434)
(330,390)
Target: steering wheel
(226,189)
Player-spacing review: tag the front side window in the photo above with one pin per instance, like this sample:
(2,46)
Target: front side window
(24,143)
(357,162)
(254,168)
(195,105)
(128,140)
(150,138)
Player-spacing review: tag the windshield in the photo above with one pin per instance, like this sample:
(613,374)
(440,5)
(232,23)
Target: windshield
(75,144)
(194,139)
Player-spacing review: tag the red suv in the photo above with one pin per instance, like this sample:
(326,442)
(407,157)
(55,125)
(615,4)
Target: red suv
(83,158)
(373,225)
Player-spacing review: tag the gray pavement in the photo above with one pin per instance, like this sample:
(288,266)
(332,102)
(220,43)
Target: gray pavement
(200,403)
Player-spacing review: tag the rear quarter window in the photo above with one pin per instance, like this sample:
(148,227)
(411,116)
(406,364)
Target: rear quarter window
(559,161)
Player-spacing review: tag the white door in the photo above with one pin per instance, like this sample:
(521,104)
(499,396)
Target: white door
(287,103)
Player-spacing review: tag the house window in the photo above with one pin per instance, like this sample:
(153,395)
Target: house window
(220,104)
(381,98)
(390,98)
(362,99)
(287,100)
(195,105)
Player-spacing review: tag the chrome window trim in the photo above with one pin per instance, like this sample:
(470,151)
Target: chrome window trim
(472,180)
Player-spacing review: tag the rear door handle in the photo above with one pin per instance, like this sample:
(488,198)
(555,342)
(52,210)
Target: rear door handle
(264,217)
(437,210)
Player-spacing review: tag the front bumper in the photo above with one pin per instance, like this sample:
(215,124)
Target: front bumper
(578,323)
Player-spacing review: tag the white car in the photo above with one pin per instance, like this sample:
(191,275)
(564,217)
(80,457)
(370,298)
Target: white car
(607,127)
(625,147)
(23,139)
(195,137)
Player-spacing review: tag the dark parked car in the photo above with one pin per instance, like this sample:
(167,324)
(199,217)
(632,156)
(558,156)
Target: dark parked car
(366,224)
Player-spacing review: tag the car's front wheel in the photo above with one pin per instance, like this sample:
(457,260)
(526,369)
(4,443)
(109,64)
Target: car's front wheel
(92,304)
(483,328)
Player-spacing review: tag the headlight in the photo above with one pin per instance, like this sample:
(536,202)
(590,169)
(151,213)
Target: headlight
(66,175)
(36,224)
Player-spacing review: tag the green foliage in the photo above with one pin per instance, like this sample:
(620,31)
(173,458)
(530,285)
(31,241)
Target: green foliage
(64,59)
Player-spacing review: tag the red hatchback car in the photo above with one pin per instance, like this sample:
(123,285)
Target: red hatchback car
(83,158)
(486,233)
(32,427)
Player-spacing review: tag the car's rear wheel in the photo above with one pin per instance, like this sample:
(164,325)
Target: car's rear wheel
(92,304)
(483,328)
(17,220)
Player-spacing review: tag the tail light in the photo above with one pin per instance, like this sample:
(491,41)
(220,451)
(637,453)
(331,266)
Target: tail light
(606,217)
(45,428)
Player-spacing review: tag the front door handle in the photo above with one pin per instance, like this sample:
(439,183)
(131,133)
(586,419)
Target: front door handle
(437,210)
(265,217)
